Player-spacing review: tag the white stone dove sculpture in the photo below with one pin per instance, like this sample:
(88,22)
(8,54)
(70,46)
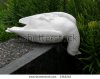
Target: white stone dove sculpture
(50,28)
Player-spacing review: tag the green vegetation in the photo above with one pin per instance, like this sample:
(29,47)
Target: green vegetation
(3,35)
(88,21)
(90,46)
(87,13)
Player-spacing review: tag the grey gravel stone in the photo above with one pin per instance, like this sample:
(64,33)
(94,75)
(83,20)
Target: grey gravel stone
(13,49)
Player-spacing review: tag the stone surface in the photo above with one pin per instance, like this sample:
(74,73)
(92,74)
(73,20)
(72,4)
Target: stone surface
(14,49)
(25,59)
(54,61)
(39,58)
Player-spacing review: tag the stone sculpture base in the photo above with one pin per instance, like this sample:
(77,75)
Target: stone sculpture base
(55,61)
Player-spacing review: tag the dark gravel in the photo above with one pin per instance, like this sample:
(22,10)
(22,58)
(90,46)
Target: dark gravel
(13,49)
